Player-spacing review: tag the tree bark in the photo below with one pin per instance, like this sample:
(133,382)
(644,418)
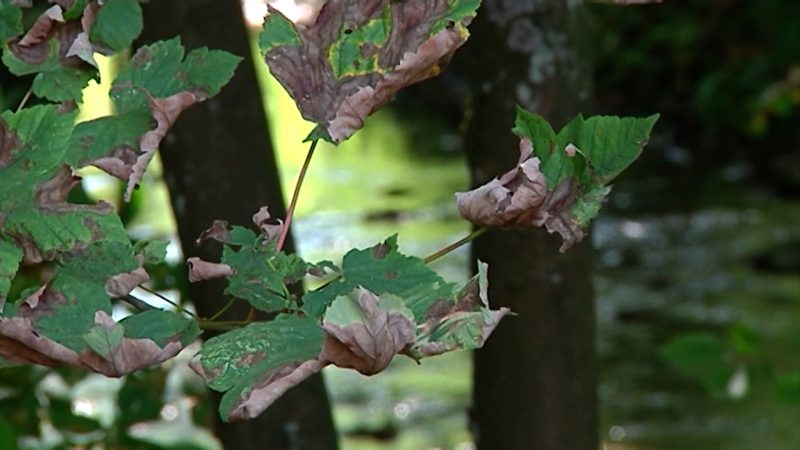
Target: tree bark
(534,382)
(219,164)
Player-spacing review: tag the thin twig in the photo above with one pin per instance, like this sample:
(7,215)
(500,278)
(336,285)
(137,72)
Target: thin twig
(25,99)
(295,195)
(438,254)
(222,311)
(138,303)
(222,325)
(177,306)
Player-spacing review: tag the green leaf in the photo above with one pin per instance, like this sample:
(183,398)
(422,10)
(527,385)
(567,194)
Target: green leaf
(10,20)
(104,341)
(208,70)
(97,138)
(118,23)
(8,435)
(700,355)
(278,31)
(100,261)
(460,11)
(161,327)
(381,269)
(10,256)
(261,275)
(242,236)
(237,361)
(744,340)
(159,70)
(62,84)
(787,387)
(346,56)
(71,304)
(39,136)
(152,251)
(53,232)
(76,10)
(609,143)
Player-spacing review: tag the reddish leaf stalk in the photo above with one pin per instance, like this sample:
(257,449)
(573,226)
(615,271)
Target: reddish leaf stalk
(468,238)
(290,212)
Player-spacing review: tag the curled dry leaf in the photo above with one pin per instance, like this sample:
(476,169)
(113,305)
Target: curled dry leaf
(122,284)
(218,231)
(520,198)
(261,220)
(124,355)
(41,28)
(272,387)
(203,270)
(165,112)
(358,54)
(364,331)
(34,50)
(513,199)
(107,351)
(463,324)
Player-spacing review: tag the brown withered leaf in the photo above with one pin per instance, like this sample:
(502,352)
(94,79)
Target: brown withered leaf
(358,54)
(21,343)
(165,112)
(261,220)
(218,231)
(364,331)
(203,270)
(520,197)
(461,324)
(273,386)
(41,28)
(126,356)
(122,284)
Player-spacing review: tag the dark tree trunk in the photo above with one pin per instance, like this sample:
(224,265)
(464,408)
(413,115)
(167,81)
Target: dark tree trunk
(534,382)
(219,164)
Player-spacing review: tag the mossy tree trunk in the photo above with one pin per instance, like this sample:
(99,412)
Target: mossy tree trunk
(219,164)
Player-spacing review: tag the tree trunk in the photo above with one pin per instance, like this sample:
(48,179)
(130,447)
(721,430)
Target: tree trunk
(534,382)
(219,164)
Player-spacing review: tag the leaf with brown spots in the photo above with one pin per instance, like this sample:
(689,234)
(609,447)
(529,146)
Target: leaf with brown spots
(254,365)
(149,95)
(359,53)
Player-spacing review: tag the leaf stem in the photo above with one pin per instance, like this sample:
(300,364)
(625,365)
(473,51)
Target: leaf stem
(177,306)
(293,204)
(25,99)
(222,310)
(468,238)
(222,325)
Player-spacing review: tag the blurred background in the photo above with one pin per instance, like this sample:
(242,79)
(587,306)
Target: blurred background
(696,255)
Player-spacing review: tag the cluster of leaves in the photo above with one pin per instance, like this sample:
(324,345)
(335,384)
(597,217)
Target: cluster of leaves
(344,65)
(88,256)
(378,304)
(561,179)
